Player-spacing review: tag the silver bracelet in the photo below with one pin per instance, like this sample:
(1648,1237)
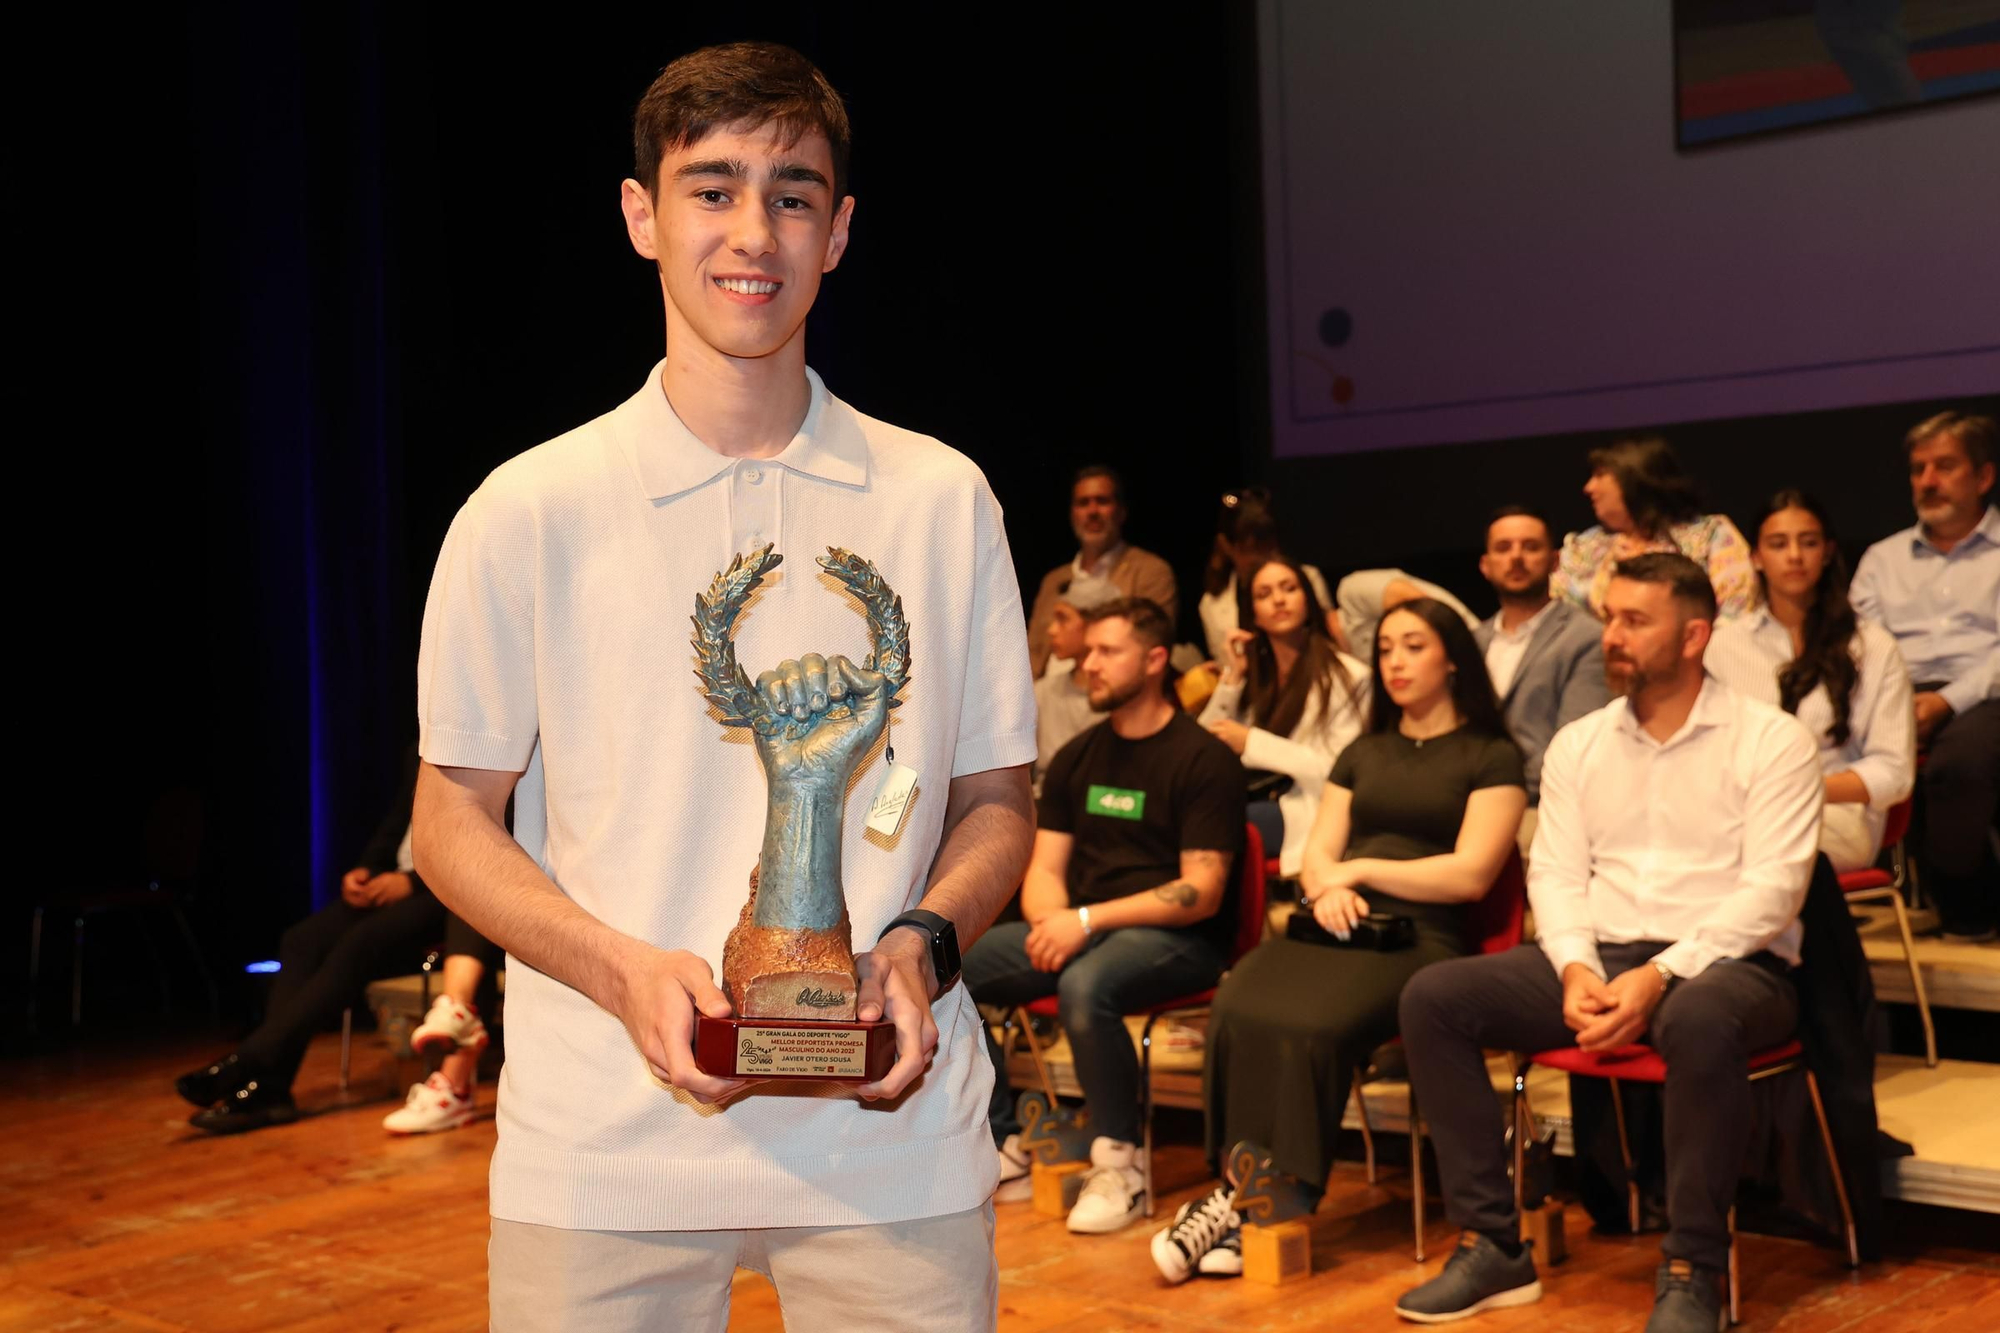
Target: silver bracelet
(1083,919)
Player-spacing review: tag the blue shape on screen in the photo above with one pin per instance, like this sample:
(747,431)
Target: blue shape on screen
(1336,326)
(268,965)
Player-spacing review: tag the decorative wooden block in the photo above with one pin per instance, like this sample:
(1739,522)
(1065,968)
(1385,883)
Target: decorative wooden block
(1056,1186)
(1544,1227)
(1278,1254)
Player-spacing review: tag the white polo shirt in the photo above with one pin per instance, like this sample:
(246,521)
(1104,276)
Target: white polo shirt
(556,643)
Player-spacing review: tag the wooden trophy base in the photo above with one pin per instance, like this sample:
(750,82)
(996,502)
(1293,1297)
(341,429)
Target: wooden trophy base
(823,1050)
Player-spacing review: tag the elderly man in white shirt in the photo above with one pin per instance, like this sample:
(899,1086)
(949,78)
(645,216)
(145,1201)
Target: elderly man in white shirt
(1678,831)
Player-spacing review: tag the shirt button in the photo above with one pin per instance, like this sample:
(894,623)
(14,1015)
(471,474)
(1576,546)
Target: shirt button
(753,475)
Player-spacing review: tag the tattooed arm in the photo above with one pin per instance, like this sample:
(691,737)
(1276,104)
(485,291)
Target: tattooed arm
(1192,897)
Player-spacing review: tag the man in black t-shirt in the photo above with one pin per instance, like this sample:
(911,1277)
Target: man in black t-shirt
(1129,899)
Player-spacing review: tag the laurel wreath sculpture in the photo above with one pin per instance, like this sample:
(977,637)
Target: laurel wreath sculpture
(726,683)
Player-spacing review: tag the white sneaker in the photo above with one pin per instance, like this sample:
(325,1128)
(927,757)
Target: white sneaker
(449,1026)
(1204,1229)
(431,1106)
(1114,1193)
(1015,1183)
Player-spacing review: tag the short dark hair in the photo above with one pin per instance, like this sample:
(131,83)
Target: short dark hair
(747,83)
(1687,580)
(1657,489)
(1148,621)
(1977,435)
(1523,511)
(1089,470)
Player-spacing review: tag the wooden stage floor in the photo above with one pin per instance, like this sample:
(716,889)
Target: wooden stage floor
(116,1216)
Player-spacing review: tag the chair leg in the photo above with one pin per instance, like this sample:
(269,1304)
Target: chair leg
(1146,1108)
(1522,1120)
(1367,1130)
(346,1043)
(1417,1173)
(1732,1264)
(1916,978)
(1625,1155)
(1833,1160)
(1022,1017)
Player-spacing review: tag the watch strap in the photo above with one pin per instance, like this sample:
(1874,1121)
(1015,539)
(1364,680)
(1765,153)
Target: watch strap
(942,936)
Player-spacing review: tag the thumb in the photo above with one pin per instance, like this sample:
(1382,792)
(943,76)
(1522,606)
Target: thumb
(869,999)
(700,985)
(860,680)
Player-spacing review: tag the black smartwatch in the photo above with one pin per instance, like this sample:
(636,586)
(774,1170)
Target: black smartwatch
(943,938)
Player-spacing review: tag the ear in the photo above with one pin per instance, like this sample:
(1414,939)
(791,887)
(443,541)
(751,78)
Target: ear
(637,206)
(1156,665)
(1694,638)
(836,241)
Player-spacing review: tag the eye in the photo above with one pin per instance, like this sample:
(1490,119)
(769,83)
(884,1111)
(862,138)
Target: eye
(791,203)
(711,196)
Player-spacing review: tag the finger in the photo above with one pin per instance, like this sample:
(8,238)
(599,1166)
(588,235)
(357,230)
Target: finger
(869,998)
(812,670)
(916,1038)
(856,679)
(792,678)
(699,982)
(771,686)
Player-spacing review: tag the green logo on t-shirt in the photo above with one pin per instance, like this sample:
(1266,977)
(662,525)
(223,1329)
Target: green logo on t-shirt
(1116,802)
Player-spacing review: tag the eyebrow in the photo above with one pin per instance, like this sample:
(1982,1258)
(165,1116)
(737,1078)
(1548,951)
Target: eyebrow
(736,169)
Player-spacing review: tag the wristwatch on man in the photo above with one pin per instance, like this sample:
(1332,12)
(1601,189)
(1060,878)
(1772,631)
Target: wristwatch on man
(1667,975)
(942,937)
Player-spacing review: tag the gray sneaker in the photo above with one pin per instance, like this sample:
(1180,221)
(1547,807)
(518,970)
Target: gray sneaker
(1688,1299)
(1476,1277)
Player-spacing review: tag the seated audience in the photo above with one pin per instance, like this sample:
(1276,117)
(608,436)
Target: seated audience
(1543,654)
(1936,587)
(1246,535)
(1679,827)
(1806,651)
(1417,819)
(1363,596)
(454,1030)
(380,926)
(1097,516)
(1645,501)
(1062,700)
(1128,899)
(1289,702)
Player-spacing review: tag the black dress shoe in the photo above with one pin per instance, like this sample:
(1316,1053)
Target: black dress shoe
(252,1106)
(206,1087)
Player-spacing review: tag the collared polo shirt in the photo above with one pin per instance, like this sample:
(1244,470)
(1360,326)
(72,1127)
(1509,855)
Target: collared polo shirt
(556,644)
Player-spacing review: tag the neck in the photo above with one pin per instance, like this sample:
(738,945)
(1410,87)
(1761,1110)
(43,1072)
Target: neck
(1142,716)
(741,407)
(1093,550)
(1952,530)
(1429,717)
(1285,650)
(1788,610)
(1663,706)
(1518,609)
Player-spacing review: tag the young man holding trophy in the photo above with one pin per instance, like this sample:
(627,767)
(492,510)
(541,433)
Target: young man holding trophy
(887,746)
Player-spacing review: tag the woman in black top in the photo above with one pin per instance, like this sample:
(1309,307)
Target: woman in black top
(1418,817)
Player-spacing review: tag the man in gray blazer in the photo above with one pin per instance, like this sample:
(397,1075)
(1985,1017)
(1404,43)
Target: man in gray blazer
(1545,656)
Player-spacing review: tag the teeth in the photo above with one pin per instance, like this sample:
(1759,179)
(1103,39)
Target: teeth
(746,286)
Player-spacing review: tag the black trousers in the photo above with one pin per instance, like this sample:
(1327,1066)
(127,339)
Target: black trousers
(327,961)
(1961,780)
(1706,1028)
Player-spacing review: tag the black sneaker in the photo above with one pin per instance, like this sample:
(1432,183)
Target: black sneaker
(1476,1277)
(252,1106)
(1688,1298)
(1198,1229)
(206,1087)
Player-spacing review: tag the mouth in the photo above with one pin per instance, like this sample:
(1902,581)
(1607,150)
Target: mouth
(1398,683)
(749,291)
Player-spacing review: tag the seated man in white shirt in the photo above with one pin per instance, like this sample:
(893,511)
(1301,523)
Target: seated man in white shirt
(1678,831)
(1543,654)
(1062,699)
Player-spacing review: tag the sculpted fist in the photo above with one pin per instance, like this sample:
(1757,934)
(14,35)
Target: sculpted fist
(829,712)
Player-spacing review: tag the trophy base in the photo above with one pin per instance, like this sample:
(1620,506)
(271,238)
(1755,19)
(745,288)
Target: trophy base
(824,1051)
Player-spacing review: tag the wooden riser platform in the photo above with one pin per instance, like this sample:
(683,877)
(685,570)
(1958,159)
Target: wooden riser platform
(1956,976)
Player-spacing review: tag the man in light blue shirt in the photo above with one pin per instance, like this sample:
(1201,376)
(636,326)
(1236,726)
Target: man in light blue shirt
(1936,587)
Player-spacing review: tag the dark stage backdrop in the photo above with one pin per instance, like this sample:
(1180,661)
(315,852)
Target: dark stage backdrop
(297,283)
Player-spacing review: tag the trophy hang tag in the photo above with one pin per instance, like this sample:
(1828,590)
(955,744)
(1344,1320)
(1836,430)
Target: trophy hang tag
(892,800)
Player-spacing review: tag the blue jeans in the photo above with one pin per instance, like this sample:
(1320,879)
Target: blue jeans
(1118,972)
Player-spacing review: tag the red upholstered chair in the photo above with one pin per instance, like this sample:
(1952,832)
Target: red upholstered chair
(1249,931)
(1640,1063)
(1893,884)
(1494,923)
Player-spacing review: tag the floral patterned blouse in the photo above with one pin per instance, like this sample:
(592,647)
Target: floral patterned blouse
(1711,541)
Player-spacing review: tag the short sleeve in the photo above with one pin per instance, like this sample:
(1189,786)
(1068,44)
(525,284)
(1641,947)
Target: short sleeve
(1212,815)
(476,664)
(1345,763)
(1500,765)
(1056,809)
(996,708)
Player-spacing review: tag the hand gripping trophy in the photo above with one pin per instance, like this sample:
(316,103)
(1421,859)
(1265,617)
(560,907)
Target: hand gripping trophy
(788,966)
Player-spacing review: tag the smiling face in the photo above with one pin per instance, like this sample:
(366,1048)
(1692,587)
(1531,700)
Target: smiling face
(1790,553)
(742,228)
(1277,600)
(1095,514)
(1607,501)
(1518,557)
(1415,668)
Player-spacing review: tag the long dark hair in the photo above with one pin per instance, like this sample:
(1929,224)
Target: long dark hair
(1657,489)
(1471,688)
(1827,655)
(1277,708)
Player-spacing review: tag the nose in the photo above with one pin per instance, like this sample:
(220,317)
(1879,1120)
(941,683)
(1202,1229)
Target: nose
(751,233)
